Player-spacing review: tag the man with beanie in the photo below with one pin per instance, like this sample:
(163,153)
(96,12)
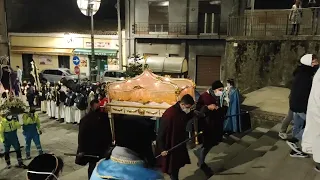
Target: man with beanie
(298,102)
(211,124)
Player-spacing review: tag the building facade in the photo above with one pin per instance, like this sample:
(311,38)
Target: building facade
(193,29)
(3,30)
(56,50)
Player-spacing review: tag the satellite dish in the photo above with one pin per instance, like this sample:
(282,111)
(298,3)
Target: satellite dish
(84,6)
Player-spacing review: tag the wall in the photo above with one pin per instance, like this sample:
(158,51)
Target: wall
(256,63)
(204,48)
(160,47)
(3,31)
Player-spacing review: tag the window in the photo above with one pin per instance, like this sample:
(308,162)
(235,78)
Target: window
(209,17)
(64,61)
(69,72)
(59,73)
(158,16)
(173,55)
(120,75)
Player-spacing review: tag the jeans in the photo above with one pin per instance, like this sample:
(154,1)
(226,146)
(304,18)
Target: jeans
(286,122)
(36,139)
(299,121)
(92,165)
(174,175)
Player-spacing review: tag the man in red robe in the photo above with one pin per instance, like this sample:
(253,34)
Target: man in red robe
(172,131)
(211,124)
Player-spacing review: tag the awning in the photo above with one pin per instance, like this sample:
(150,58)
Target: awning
(41,51)
(101,52)
(158,64)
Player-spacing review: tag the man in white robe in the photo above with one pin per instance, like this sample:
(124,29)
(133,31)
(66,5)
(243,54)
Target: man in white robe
(311,136)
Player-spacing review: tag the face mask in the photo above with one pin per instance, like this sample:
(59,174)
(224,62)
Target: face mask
(9,117)
(228,85)
(186,110)
(219,93)
(48,173)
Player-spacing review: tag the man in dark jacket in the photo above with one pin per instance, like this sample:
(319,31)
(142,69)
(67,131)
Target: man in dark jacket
(94,137)
(300,90)
(172,131)
(212,124)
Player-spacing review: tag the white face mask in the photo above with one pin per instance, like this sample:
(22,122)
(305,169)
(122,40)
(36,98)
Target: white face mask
(9,117)
(48,173)
(186,110)
(219,93)
(228,85)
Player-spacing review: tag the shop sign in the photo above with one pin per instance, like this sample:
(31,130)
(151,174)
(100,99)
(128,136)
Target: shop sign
(101,45)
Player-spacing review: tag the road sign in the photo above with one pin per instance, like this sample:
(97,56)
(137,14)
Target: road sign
(76,60)
(77,70)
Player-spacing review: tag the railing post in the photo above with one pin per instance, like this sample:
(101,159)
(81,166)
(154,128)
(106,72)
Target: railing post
(265,24)
(287,25)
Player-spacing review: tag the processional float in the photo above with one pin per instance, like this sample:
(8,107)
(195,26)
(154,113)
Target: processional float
(146,95)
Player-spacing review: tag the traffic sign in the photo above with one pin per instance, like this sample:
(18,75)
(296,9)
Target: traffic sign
(76,60)
(77,70)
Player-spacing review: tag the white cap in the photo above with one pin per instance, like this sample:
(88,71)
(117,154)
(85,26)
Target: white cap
(306,60)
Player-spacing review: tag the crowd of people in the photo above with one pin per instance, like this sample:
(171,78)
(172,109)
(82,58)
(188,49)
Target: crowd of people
(304,111)
(216,112)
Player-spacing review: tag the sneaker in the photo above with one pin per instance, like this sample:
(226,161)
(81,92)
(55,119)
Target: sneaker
(298,154)
(21,165)
(28,157)
(283,136)
(8,166)
(293,146)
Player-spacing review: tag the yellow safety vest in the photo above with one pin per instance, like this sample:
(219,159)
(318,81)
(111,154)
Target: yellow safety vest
(27,120)
(8,126)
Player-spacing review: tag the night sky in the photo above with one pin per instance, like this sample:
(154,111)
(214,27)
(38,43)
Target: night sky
(58,15)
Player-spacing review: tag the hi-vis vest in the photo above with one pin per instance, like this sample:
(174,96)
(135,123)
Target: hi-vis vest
(28,120)
(8,126)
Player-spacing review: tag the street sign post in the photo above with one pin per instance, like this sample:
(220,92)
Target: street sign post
(76,60)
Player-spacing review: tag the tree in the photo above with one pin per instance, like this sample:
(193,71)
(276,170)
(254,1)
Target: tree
(136,67)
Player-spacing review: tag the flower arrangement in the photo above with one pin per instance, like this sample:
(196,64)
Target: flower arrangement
(13,105)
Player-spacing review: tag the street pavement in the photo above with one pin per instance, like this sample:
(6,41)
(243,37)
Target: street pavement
(56,138)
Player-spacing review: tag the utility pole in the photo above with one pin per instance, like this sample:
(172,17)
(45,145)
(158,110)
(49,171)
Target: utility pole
(119,35)
(92,42)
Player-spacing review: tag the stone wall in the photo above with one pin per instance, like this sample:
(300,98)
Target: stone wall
(256,63)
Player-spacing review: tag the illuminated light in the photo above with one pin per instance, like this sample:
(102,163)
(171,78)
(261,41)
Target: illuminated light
(7,91)
(147,74)
(138,79)
(129,81)
(117,86)
(122,78)
(167,79)
(183,87)
(157,84)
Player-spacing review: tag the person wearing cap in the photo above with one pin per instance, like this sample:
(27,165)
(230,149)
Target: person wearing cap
(211,124)
(9,137)
(31,131)
(298,102)
(132,158)
(45,167)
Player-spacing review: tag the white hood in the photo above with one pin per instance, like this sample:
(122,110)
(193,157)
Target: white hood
(306,60)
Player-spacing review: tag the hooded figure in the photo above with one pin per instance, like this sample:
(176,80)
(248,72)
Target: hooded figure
(231,96)
(132,158)
(69,104)
(311,136)
(46,166)
(298,101)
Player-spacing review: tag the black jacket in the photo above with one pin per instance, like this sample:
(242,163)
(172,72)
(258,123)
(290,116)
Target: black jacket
(301,87)
(94,136)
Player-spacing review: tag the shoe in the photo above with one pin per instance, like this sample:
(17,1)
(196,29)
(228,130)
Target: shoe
(298,155)
(283,136)
(207,170)
(317,169)
(293,146)
(28,157)
(8,166)
(21,165)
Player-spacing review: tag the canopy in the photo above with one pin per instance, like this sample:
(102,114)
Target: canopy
(158,64)
(41,51)
(102,52)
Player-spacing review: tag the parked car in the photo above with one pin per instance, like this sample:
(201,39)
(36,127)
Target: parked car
(113,75)
(56,74)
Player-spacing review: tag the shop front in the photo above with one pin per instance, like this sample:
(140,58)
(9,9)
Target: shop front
(57,51)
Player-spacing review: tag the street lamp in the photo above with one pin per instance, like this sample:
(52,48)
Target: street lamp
(90,8)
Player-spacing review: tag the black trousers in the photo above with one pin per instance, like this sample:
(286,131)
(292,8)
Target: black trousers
(295,29)
(92,165)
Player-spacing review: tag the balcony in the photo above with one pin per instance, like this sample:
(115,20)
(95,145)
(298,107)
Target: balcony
(266,23)
(181,30)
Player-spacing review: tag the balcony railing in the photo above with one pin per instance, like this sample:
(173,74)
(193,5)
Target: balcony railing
(181,28)
(273,23)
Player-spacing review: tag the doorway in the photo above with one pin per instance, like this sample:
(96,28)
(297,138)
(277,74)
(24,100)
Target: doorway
(26,65)
(208,70)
